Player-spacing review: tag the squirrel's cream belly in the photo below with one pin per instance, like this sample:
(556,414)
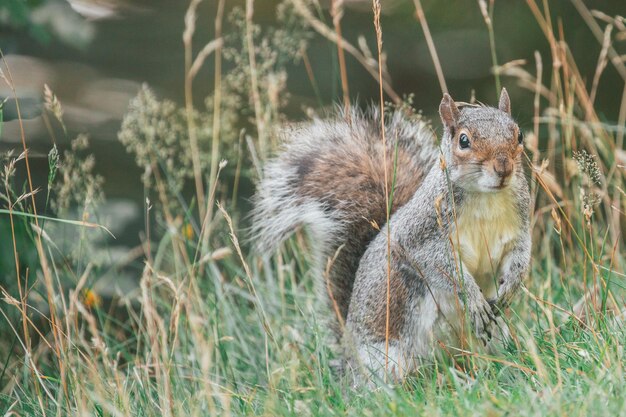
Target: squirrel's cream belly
(487,227)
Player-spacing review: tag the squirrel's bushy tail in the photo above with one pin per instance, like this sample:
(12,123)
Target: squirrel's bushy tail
(330,177)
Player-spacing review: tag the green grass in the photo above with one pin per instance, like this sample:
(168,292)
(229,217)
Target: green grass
(205,348)
(213,329)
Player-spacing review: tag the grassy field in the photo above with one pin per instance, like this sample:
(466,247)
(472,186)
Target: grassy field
(213,329)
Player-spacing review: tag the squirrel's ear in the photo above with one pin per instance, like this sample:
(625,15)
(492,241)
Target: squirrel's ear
(505,102)
(448,111)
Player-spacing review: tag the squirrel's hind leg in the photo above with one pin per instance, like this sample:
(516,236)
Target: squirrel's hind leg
(431,322)
(434,333)
(368,365)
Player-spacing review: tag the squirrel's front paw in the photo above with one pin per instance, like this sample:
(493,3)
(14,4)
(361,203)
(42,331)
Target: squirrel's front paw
(505,296)
(483,320)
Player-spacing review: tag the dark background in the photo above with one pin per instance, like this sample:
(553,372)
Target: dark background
(96,73)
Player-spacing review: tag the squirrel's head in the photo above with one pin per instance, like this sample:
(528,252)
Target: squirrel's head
(482,145)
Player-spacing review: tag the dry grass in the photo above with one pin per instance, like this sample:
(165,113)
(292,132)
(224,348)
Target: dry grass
(211,333)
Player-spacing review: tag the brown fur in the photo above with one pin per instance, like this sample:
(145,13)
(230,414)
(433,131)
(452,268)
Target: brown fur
(376,322)
(484,150)
(355,180)
(330,177)
(499,157)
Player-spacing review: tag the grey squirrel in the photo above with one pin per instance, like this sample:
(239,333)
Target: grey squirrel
(459,234)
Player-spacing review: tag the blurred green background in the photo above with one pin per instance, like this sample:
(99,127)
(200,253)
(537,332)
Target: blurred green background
(95,54)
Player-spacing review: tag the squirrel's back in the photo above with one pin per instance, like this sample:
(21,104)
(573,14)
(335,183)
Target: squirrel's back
(330,176)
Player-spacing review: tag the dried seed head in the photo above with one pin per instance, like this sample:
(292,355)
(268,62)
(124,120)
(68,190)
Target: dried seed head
(442,163)
(588,165)
(438,201)
(52,103)
(557,221)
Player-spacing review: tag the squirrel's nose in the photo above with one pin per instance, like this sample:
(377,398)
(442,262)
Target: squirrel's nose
(503,166)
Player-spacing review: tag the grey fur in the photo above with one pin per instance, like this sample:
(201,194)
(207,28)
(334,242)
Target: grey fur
(338,225)
(433,290)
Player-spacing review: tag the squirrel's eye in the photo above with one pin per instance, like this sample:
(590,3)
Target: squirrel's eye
(464,141)
(520,137)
